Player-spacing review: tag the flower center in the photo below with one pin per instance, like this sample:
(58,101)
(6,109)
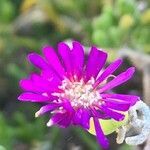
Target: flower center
(79,93)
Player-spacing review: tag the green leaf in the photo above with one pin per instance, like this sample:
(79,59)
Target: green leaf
(108,126)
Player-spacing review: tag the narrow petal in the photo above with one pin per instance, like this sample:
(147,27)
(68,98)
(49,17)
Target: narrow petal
(132,99)
(37,84)
(41,83)
(113,114)
(102,140)
(108,71)
(99,114)
(121,78)
(117,106)
(27,85)
(67,106)
(116,101)
(65,54)
(53,60)
(47,108)
(61,119)
(78,58)
(55,119)
(77,117)
(64,123)
(85,119)
(52,78)
(33,97)
(38,61)
(96,61)
(82,118)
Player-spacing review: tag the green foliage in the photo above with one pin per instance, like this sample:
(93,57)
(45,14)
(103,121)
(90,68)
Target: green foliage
(125,7)
(29,131)
(125,147)
(121,23)
(86,138)
(100,38)
(104,21)
(19,129)
(7,133)
(7,10)
(89,21)
(115,34)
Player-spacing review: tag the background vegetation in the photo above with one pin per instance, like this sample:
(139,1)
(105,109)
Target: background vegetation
(26,25)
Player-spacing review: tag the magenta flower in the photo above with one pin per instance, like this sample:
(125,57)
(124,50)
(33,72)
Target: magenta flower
(75,91)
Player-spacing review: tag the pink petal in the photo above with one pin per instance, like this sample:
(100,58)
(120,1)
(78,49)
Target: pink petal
(47,108)
(67,105)
(65,54)
(78,58)
(117,106)
(53,60)
(102,140)
(38,84)
(132,99)
(33,97)
(52,78)
(99,114)
(27,85)
(61,119)
(117,101)
(113,114)
(82,117)
(85,118)
(121,78)
(64,123)
(108,71)
(41,83)
(96,61)
(38,61)
(77,117)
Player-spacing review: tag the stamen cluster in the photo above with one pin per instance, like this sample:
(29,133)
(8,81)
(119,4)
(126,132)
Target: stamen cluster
(79,93)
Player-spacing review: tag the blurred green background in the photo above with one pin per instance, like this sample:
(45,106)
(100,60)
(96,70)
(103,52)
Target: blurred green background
(26,25)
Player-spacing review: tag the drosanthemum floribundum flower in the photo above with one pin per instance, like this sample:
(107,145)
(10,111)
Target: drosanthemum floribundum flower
(75,90)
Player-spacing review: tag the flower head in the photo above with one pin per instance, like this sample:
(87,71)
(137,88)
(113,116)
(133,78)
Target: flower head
(75,91)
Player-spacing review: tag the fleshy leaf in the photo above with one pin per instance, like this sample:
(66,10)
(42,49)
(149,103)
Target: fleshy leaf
(108,126)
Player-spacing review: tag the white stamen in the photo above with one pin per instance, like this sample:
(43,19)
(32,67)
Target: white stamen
(79,93)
